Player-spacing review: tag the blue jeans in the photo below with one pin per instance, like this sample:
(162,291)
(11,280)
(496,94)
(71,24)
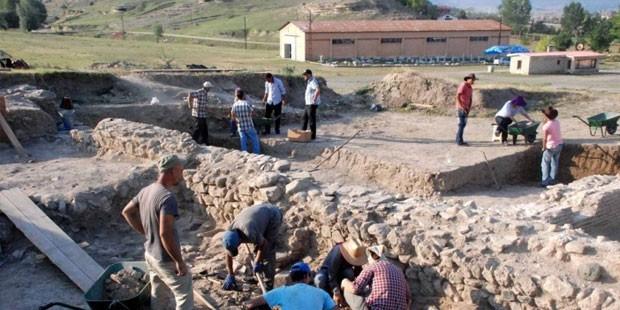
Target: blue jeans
(550,163)
(251,134)
(462,123)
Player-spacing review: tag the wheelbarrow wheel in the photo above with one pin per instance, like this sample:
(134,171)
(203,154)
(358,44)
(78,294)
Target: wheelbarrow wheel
(530,139)
(611,129)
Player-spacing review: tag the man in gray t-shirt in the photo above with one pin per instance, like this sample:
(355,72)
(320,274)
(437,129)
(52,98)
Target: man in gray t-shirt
(153,213)
(259,225)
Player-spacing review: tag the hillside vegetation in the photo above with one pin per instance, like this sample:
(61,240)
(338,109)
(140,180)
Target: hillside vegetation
(223,18)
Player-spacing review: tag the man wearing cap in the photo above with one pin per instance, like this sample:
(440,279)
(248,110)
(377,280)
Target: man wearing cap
(153,213)
(197,101)
(313,100)
(259,225)
(505,116)
(344,261)
(297,295)
(389,289)
(274,99)
(463,106)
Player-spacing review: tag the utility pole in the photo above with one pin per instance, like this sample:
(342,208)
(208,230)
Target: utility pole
(245,32)
(309,33)
(123,25)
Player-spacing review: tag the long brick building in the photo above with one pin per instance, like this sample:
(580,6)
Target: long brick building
(345,39)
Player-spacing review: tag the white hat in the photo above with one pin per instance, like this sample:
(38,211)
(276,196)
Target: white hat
(207,84)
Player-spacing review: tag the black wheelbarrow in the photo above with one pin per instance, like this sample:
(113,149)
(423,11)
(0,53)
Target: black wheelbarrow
(607,122)
(526,129)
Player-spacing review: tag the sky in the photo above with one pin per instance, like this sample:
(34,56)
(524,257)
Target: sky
(486,5)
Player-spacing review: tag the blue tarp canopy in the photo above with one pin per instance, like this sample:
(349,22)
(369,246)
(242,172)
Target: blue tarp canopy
(506,49)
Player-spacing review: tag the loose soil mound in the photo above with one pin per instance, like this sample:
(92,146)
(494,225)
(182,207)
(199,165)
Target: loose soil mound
(415,91)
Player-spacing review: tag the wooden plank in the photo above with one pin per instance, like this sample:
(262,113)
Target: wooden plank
(9,133)
(50,239)
(62,240)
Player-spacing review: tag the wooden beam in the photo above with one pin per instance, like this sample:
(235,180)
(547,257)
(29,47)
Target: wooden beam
(50,239)
(9,133)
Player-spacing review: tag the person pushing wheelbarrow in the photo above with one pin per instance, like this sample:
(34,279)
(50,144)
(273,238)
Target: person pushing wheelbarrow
(505,116)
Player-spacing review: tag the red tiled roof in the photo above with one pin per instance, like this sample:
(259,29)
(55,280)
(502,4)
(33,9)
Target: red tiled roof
(347,26)
(566,54)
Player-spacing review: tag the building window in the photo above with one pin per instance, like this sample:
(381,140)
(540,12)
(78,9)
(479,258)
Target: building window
(478,39)
(342,41)
(519,63)
(391,40)
(585,64)
(436,40)
(558,62)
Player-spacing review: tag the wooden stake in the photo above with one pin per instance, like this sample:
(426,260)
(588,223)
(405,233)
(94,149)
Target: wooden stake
(486,161)
(335,151)
(258,278)
(9,133)
(203,299)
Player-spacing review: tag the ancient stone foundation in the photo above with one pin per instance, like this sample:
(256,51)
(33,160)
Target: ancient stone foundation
(453,253)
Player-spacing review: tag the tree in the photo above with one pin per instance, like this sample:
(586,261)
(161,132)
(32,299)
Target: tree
(158,31)
(516,13)
(31,13)
(563,41)
(461,14)
(601,35)
(541,27)
(8,14)
(422,8)
(543,43)
(574,18)
(616,26)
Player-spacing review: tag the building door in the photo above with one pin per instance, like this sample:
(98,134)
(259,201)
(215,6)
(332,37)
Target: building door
(288,51)
(569,64)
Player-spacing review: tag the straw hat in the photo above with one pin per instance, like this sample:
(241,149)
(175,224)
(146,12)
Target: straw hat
(354,252)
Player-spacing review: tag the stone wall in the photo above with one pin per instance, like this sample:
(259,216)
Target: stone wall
(453,253)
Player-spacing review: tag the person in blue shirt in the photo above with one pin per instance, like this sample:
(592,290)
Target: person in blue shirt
(298,295)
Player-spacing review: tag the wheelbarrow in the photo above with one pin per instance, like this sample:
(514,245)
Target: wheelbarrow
(96,299)
(524,128)
(598,121)
(95,295)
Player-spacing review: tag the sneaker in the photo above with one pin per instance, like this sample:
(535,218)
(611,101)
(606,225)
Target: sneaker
(277,132)
(463,144)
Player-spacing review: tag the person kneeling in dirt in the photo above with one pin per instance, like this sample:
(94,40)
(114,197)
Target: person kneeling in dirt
(242,113)
(67,114)
(505,116)
(552,147)
(380,286)
(344,261)
(297,295)
(153,213)
(259,225)
(197,101)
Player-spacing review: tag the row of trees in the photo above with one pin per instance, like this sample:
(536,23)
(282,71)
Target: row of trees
(578,25)
(25,14)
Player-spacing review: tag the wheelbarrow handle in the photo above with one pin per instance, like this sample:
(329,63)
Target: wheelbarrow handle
(581,119)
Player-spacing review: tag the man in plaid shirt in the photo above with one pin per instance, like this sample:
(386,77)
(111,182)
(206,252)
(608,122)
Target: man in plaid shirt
(389,289)
(242,112)
(197,101)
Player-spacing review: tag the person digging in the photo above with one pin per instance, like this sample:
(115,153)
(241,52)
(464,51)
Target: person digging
(258,225)
(344,261)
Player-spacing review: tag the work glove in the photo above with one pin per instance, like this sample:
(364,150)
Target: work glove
(258,267)
(230,283)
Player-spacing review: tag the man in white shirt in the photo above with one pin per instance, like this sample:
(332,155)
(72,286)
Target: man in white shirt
(313,100)
(274,98)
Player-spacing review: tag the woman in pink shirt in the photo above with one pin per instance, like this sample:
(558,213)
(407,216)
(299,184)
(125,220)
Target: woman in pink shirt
(552,146)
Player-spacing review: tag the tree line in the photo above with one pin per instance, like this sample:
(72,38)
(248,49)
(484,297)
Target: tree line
(24,14)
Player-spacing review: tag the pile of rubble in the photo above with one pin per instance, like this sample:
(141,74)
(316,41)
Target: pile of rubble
(451,252)
(125,284)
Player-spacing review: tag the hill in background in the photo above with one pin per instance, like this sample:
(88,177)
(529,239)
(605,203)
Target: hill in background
(546,5)
(222,18)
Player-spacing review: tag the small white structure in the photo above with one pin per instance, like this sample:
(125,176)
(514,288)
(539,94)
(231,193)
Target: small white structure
(581,62)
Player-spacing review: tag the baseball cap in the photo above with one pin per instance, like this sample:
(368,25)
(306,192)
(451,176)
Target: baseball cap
(300,267)
(168,162)
(231,242)
(307,72)
(207,84)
